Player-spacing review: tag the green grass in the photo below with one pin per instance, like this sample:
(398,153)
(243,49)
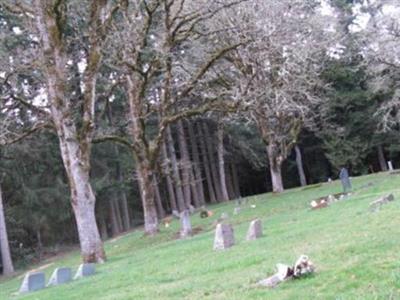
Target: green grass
(356,252)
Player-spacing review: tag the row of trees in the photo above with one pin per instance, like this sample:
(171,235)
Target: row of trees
(176,96)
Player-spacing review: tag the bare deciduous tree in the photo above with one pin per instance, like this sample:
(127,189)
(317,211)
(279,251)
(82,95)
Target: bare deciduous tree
(57,40)
(279,71)
(163,57)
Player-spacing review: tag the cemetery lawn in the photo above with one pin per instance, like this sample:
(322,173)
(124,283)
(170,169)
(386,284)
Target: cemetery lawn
(356,252)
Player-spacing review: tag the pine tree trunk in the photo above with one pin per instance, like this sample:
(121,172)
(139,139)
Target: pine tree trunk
(382,160)
(118,213)
(167,170)
(160,208)
(115,230)
(194,190)
(175,171)
(213,162)
(145,178)
(235,180)
(185,163)
(275,166)
(300,169)
(196,166)
(6,260)
(39,243)
(229,183)
(221,162)
(103,228)
(206,163)
(126,220)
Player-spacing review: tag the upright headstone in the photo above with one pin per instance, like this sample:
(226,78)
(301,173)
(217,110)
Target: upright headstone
(345,179)
(236,210)
(224,237)
(390,165)
(186,226)
(224,216)
(175,213)
(33,282)
(255,230)
(60,276)
(192,209)
(85,270)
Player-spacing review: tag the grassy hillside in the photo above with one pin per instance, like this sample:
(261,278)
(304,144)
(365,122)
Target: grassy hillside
(356,252)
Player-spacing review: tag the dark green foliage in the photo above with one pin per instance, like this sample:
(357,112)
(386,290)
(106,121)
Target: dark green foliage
(349,128)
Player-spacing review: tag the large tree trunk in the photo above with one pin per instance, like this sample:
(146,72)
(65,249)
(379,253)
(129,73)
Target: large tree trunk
(382,160)
(175,171)
(185,163)
(167,170)
(77,166)
(6,260)
(300,169)
(196,166)
(145,178)
(221,162)
(275,166)
(75,144)
(206,163)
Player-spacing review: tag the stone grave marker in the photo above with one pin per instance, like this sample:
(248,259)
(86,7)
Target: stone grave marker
(345,179)
(60,276)
(186,226)
(376,205)
(33,282)
(192,209)
(236,210)
(175,213)
(390,164)
(85,270)
(255,230)
(224,216)
(224,237)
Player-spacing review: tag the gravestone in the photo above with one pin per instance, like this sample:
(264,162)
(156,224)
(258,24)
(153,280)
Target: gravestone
(186,226)
(60,276)
(255,230)
(175,213)
(192,209)
(331,198)
(224,237)
(224,216)
(85,270)
(345,179)
(33,282)
(236,210)
(390,164)
(376,205)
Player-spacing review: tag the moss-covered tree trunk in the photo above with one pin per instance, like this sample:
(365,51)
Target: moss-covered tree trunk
(6,260)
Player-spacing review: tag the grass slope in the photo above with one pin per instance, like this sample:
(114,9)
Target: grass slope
(356,253)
